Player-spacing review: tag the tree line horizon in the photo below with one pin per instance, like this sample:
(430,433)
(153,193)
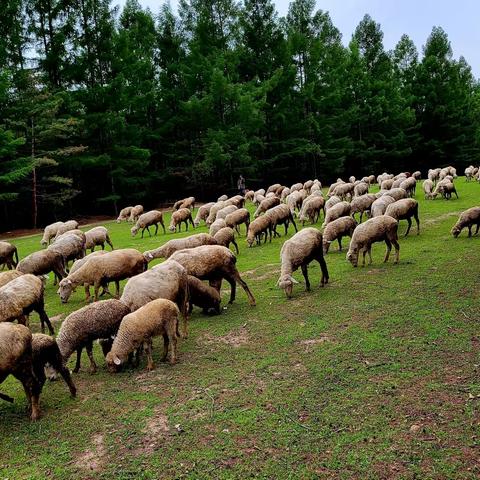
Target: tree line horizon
(102,107)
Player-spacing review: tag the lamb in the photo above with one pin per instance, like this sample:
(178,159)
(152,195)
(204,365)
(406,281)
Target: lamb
(311,208)
(203,296)
(265,205)
(360,189)
(182,215)
(380,205)
(341,209)
(135,213)
(8,276)
(333,200)
(188,202)
(21,296)
(98,271)
(304,247)
(259,227)
(468,219)
(97,236)
(49,233)
(336,230)
(167,280)
(404,209)
(226,211)
(280,215)
(216,226)
(213,263)
(397,193)
(202,213)
(169,248)
(214,209)
(158,317)
(427,188)
(44,262)
(236,218)
(124,214)
(377,229)
(8,255)
(362,204)
(226,236)
(66,227)
(146,220)
(98,320)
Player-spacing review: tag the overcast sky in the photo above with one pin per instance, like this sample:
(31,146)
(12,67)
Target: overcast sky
(460,19)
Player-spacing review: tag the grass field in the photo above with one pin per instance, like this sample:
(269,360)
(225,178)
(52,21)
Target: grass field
(374,376)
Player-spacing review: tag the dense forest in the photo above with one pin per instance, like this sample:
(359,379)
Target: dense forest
(100,108)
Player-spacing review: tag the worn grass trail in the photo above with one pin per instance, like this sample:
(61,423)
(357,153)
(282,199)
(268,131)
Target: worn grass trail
(373,376)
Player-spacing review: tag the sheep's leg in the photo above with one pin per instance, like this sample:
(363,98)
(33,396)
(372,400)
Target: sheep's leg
(148,349)
(87,292)
(389,248)
(364,253)
(44,318)
(369,251)
(339,239)
(77,364)
(469,230)
(109,242)
(23,320)
(165,347)
(409,220)
(149,232)
(397,250)
(235,245)
(163,226)
(117,289)
(32,391)
(305,275)
(93,365)
(250,296)
(418,222)
(186,225)
(233,288)
(478,227)
(96,289)
(323,267)
(156,228)
(143,231)
(173,348)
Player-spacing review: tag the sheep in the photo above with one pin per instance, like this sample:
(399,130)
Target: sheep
(270,194)
(404,209)
(70,246)
(380,205)
(202,213)
(296,187)
(214,209)
(203,296)
(216,226)
(97,236)
(44,262)
(236,218)
(222,198)
(293,200)
(273,187)
(304,247)
(169,248)
(8,255)
(95,321)
(409,185)
(226,236)
(469,173)
(360,189)
(397,182)
(397,193)
(352,179)
(468,218)
(265,205)
(308,185)
(98,271)
(78,263)
(261,192)
(21,296)
(238,201)
(146,220)
(336,230)
(311,208)
(377,229)
(341,209)
(427,188)
(445,187)
(8,276)
(49,233)
(167,280)
(417,175)
(66,227)
(280,215)
(135,213)
(188,202)
(386,184)
(333,200)
(16,359)
(344,190)
(249,195)
(279,190)
(362,204)
(226,211)
(124,214)
(316,187)
(182,215)
(68,235)
(285,193)
(434,175)
(259,227)
(213,263)
(333,186)
(371,179)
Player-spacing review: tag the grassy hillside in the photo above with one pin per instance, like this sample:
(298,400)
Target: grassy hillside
(373,376)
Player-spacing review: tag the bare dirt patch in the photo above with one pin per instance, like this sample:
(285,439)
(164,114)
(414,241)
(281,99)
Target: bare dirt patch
(312,342)
(93,459)
(235,338)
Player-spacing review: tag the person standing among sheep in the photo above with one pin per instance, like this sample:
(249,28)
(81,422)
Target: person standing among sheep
(241,185)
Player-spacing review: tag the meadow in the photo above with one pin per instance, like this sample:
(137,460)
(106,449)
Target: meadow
(374,376)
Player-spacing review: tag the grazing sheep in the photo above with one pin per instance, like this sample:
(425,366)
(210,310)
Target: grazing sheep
(344,191)
(311,208)
(333,200)
(66,227)
(21,296)
(44,262)
(404,209)
(169,248)
(362,204)
(308,185)
(273,187)
(8,255)
(203,296)
(99,271)
(333,186)
(216,226)
(360,189)
(296,187)
(280,215)
(397,193)
(49,233)
(377,229)
(236,218)
(336,230)
(304,247)
(16,359)
(352,179)
(417,175)
(68,235)
(188,202)
(258,200)
(137,329)
(468,219)
(213,263)
(387,184)
(214,209)
(202,213)
(409,185)
(341,209)
(226,236)
(226,211)
(380,205)
(445,187)
(222,198)
(265,205)
(98,320)
(285,193)
(316,187)
(135,213)
(434,174)
(469,173)
(8,276)
(97,236)
(259,227)
(167,280)
(238,201)
(70,246)
(427,188)
(293,201)
(78,263)
(249,195)
(124,214)
(146,220)
(182,215)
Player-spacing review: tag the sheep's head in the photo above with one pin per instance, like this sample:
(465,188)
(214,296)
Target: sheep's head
(172,227)
(134,230)
(326,246)
(196,223)
(148,256)
(66,288)
(113,362)
(352,257)
(250,239)
(43,242)
(286,282)
(456,231)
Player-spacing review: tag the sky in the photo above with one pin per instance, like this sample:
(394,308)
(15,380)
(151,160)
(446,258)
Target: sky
(460,19)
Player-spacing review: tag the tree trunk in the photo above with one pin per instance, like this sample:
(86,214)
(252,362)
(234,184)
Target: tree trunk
(34,182)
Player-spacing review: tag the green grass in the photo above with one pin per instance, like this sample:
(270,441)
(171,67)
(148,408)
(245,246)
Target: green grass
(325,385)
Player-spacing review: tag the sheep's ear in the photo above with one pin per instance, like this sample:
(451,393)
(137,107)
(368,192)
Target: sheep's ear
(117,361)
(69,282)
